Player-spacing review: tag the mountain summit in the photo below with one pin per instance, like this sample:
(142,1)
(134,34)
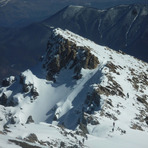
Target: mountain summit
(81,95)
(121,27)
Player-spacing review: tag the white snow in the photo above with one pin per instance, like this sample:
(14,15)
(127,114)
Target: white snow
(129,140)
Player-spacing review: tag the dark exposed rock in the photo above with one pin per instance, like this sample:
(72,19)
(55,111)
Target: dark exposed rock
(93,98)
(134,11)
(8,81)
(67,54)
(135,82)
(55,64)
(3,99)
(74,146)
(23,144)
(139,80)
(146,118)
(22,78)
(77,68)
(92,101)
(29,120)
(28,87)
(136,127)
(113,89)
(89,119)
(120,51)
(12,120)
(34,92)
(77,76)
(109,102)
(5,83)
(83,127)
(2,133)
(25,88)
(32,138)
(55,118)
(50,76)
(111,116)
(103,90)
(142,100)
(62,144)
(146,122)
(90,61)
(29,141)
(111,66)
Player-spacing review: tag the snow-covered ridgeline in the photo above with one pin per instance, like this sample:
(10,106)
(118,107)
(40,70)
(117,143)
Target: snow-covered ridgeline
(106,94)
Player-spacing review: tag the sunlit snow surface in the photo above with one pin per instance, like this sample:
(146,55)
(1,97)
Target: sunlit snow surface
(66,96)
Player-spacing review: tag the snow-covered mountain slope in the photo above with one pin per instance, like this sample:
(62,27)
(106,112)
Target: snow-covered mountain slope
(81,95)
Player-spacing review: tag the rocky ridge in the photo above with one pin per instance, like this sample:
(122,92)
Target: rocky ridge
(83,89)
(120,28)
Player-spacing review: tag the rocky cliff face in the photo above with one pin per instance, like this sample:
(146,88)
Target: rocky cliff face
(69,53)
(62,53)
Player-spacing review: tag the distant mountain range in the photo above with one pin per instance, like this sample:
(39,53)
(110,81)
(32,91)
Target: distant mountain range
(122,27)
(19,13)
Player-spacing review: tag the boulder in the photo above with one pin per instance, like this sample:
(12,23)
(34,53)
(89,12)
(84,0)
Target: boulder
(29,120)
(25,88)
(34,92)
(8,81)
(32,138)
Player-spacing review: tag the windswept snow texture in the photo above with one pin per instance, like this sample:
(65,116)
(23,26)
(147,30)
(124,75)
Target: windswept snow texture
(119,80)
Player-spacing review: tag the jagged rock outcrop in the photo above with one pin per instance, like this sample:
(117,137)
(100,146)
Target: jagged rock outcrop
(34,92)
(32,138)
(29,120)
(93,102)
(28,87)
(8,81)
(63,53)
(89,119)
